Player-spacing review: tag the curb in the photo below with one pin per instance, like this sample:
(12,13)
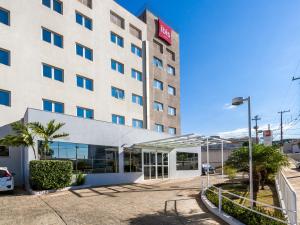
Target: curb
(44,192)
(222,215)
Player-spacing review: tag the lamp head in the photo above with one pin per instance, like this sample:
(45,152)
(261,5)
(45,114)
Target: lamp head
(238,101)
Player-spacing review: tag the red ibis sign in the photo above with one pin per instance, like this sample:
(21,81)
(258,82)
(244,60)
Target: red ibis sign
(164,32)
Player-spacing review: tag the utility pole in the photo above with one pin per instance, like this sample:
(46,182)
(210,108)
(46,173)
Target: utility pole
(256,118)
(281,125)
(295,78)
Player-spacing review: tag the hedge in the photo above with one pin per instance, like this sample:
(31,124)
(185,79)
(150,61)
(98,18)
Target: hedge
(50,174)
(245,216)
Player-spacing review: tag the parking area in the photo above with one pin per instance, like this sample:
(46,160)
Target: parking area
(158,203)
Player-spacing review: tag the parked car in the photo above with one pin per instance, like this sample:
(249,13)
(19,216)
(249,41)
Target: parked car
(6,180)
(298,165)
(207,168)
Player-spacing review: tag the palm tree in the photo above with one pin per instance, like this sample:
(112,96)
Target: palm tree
(266,161)
(22,136)
(48,133)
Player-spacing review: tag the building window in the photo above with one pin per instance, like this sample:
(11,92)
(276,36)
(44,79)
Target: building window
(4,57)
(135,32)
(52,37)
(137,99)
(172,130)
(84,82)
(84,51)
(171,111)
(136,75)
(85,113)
(56,5)
(53,72)
(158,46)
(171,70)
(117,119)
(132,160)
(4,151)
(5,98)
(137,123)
(119,21)
(117,66)
(4,16)
(159,128)
(158,63)
(158,106)
(88,3)
(52,106)
(84,20)
(171,90)
(158,85)
(118,40)
(136,50)
(171,55)
(186,161)
(117,93)
(85,158)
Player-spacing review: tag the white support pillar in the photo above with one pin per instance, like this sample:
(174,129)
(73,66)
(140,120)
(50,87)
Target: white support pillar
(207,161)
(222,160)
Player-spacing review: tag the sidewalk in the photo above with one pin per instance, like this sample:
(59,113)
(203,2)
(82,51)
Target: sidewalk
(293,176)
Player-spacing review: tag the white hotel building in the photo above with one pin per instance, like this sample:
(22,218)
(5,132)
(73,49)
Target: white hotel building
(107,74)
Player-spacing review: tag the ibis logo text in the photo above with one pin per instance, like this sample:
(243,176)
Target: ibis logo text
(164,32)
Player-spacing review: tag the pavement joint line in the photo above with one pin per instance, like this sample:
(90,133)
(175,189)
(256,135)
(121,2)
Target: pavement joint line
(54,210)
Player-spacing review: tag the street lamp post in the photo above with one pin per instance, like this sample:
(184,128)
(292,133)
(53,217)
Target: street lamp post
(239,101)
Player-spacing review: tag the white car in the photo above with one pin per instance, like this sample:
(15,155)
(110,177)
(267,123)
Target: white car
(6,180)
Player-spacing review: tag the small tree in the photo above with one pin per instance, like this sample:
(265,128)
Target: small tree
(230,172)
(266,160)
(22,136)
(48,133)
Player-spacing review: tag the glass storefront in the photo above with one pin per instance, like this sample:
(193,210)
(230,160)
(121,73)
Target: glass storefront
(132,160)
(186,161)
(85,158)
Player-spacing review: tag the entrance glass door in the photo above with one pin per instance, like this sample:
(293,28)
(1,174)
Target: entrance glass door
(156,165)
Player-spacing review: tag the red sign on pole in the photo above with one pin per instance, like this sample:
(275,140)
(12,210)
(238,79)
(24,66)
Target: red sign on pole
(164,32)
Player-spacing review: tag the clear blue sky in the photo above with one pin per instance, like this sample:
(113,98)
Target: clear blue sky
(233,48)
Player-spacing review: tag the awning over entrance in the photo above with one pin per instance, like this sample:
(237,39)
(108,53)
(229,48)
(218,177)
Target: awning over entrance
(184,141)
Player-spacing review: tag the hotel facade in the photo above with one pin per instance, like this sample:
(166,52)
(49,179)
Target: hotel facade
(112,77)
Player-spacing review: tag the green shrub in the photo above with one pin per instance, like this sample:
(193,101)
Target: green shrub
(50,174)
(230,172)
(80,179)
(245,216)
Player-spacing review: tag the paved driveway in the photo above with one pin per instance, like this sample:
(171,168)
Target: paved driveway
(156,203)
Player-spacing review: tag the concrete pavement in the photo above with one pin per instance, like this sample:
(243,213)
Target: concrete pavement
(158,203)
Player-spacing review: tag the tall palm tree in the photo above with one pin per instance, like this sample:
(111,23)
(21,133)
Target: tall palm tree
(48,133)
(22,136)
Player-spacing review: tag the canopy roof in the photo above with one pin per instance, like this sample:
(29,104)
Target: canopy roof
(183,141)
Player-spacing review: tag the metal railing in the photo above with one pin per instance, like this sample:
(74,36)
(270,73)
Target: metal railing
(223,194)
(288,197)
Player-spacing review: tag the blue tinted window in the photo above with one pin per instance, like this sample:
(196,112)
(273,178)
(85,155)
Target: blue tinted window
(89,113)
(58,74)
(58,107)
(136,75)
(79,50)
(118,119)
(58,40)
(88,23)
(117,93)
(120,68)
(4,98)
(113,37)
(47,3)
(137,123)
(57,6)
(79,18)
(80,81)
(46,35)
(89,54)
(80,112)
(116,39)
(47,71)
(136,50)
(89,84)
(4,16)
(4,57)
(113,64)
(47,105)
